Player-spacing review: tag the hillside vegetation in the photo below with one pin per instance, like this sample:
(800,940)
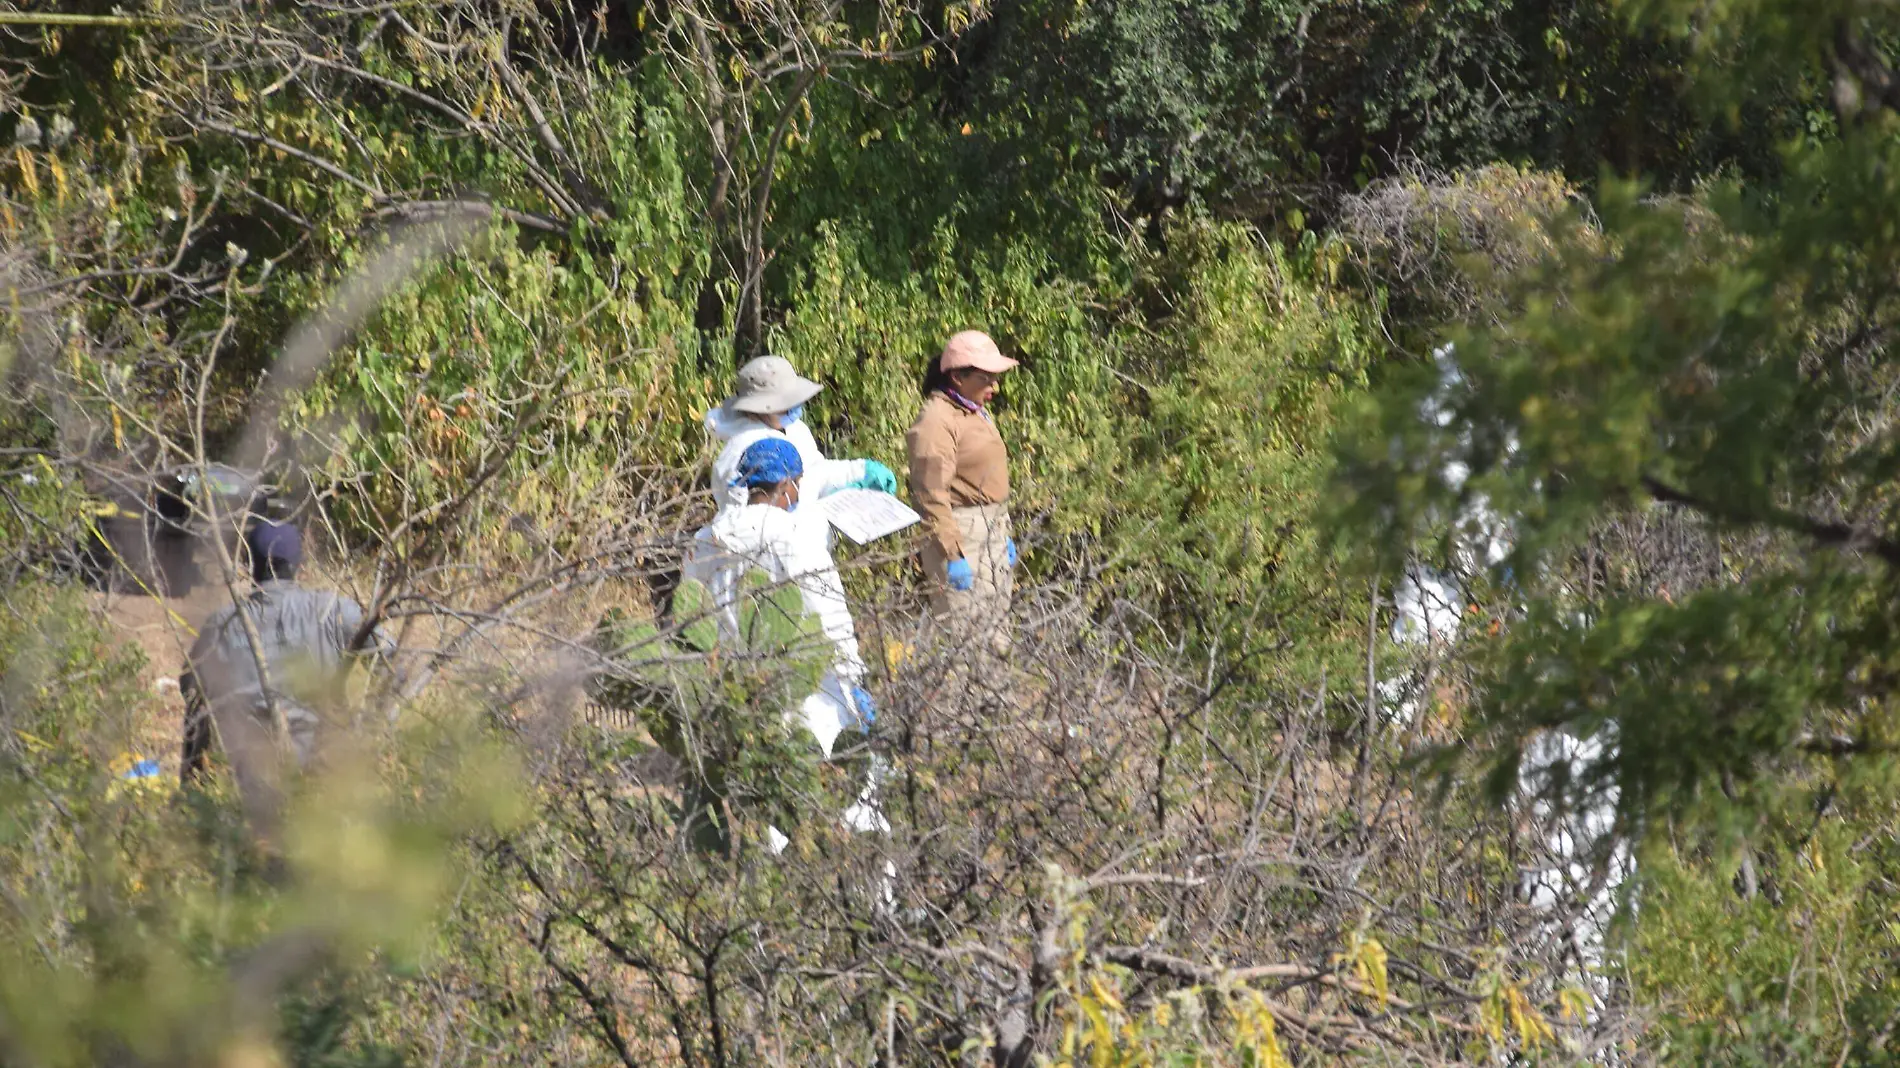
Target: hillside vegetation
(1575,316)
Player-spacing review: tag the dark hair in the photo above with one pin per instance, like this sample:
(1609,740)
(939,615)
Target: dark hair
(772,490)
(269,568)
(935,377)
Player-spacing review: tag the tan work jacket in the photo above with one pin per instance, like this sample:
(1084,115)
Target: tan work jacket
(957,460)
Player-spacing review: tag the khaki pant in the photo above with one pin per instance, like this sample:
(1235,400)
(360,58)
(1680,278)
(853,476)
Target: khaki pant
(978,616)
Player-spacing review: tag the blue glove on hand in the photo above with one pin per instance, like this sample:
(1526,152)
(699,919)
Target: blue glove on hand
(960,575)
(1009,552)
(867,708)
(877,477)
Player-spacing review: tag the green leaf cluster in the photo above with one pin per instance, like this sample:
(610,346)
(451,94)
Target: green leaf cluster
(722,710)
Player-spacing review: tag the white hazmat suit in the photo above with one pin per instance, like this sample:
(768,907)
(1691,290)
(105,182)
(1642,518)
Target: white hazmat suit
(738,430)
(792,548)
(788,547)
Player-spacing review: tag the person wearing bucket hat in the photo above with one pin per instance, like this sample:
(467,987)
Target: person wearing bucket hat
(768,533)
(769,402)
(959,477)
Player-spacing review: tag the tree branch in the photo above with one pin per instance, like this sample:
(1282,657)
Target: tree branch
(294,152)
(1830,535)
(435,209)
(597,1004)
(578,187)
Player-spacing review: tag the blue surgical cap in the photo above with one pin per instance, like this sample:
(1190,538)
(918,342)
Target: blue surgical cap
(768,462)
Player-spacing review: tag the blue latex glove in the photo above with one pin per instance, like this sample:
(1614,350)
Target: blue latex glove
(877,477)
(1009,551)
(867,708)
(960,575)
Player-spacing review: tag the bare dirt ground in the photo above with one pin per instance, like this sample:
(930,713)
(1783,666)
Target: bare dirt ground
(162,628)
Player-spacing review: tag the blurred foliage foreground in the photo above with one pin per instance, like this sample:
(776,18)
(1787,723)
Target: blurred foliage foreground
(457,282)
(1102,861)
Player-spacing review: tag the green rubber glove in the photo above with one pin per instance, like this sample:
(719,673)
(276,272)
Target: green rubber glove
(877,477)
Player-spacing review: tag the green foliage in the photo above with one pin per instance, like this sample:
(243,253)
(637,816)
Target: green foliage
(583,352)
(146,924)
(1244,106)
(1719,359)
(1238,391)
(1803,973)
(1452,248)
(1712,364)
(1713,370)
(724,716)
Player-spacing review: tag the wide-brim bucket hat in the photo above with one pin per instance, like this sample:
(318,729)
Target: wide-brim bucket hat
(769,385)
(974,349)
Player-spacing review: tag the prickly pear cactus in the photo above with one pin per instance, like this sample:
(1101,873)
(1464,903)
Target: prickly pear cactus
(723,715)
(776,631)
(693,612)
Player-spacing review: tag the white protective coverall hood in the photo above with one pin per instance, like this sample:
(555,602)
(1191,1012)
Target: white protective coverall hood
(737,431)
(788,547)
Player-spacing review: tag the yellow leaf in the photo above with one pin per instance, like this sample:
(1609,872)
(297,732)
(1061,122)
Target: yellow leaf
(1101,1036)
(1369,964)
(896,653)
(28,176)
(1574,1003)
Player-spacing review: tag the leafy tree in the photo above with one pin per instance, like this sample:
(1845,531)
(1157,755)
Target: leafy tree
(1237,390)
(1271,109)
(1717,368)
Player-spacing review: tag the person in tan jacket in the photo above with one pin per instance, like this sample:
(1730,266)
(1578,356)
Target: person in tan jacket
(959,479)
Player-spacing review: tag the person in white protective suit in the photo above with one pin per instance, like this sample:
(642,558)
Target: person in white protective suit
(770,403)
(767,533)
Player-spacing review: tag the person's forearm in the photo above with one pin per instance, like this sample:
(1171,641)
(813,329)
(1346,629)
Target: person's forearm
(934,502)
(945,532)
(834,475)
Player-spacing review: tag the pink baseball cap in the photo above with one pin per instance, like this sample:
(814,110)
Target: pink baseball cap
(973,348)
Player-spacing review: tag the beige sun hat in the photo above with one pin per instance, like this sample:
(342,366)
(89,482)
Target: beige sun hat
(769,385)
(973,348)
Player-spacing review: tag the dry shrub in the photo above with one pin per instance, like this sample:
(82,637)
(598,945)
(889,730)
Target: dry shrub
(1094,831)
(1444,246)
